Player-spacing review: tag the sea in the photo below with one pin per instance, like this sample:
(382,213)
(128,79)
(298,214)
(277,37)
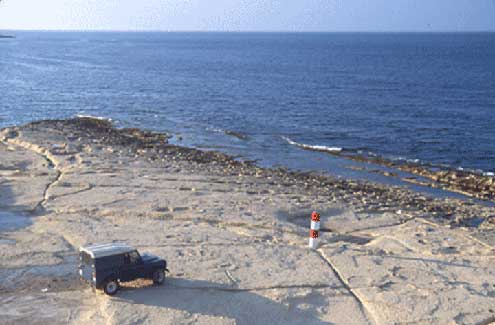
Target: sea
(295,100)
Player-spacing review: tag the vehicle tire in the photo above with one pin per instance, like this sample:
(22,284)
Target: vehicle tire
(159,277)
(111,287)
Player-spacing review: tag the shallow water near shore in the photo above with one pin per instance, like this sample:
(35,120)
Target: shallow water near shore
(264,96)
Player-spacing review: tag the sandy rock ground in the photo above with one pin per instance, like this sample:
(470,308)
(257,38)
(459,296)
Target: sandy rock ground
(234,237)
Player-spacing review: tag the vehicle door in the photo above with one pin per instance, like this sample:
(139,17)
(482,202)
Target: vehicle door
(133,267)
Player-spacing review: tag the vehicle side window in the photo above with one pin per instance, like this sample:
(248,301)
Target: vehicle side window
(134,257)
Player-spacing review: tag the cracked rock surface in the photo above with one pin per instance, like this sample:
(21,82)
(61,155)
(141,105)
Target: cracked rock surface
(234,236)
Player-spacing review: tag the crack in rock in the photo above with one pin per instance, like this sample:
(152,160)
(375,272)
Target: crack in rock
(47,155)
(362,306)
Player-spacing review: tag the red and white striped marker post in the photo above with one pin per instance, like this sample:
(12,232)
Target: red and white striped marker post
(313,233)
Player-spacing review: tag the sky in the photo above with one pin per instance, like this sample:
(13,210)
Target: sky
(249,15)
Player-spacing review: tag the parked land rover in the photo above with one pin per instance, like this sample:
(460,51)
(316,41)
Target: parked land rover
(105,266)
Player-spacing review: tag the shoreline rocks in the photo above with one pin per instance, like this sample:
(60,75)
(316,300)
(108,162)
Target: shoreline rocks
(155,147)
(469,183)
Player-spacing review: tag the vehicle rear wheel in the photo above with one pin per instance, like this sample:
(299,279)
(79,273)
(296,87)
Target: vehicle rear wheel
(159,277)
(111,287)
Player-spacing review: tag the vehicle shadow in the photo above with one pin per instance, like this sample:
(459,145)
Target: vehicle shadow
(12,217)
(215,299)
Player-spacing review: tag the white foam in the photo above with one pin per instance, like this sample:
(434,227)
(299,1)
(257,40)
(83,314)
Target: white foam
(101,118)
(216,130)
(313,147)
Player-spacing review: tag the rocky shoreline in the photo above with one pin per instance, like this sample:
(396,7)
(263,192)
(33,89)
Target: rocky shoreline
(466,182)
(154,146)
(234,235)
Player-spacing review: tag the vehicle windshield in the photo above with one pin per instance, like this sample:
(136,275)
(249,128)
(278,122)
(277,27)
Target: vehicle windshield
(86,259)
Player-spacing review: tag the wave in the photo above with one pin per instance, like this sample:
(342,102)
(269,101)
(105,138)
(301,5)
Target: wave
(235,134)
(100,118)
(44,61)
(334,150)
(368,156)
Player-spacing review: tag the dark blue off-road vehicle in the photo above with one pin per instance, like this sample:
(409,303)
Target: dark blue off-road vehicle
(105,266)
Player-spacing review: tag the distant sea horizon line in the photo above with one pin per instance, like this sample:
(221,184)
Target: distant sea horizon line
(253,31)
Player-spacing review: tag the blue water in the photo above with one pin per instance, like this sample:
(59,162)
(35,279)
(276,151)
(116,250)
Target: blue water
(414,96)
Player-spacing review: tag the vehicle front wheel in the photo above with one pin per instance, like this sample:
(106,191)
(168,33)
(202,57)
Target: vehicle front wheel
(111,287)
(159,277)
